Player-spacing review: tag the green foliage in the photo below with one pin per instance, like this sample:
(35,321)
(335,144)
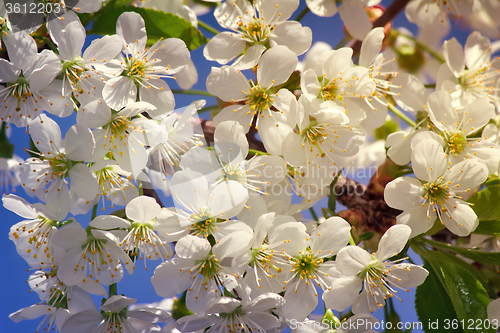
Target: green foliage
(158,24)
(451,280)
(487,208)
(366,236)
(492,258)
(331,198)
(433,311)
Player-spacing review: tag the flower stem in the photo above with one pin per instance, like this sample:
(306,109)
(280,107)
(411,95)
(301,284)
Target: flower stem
(314,215)
(208,108)
(192,92)
(139,185)
(48,42)
(424,47)
(302,14)
(113,290)
(208,27)
(341,43)
(401,115)
(351,241)
(256,152)
(94,213)
(430,85)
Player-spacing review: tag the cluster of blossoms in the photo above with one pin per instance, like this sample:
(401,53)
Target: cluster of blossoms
(234,240)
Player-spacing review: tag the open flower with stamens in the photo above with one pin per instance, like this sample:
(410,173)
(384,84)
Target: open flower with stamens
(114,183)
(334,81)
(378,277)
(122,135)
(84,75)
(427,12)
(469,72)
(321,136)
(310,267)
(183,132)
(33,236)
(115,317)
(270,109)
(141,241)
(92,254)
(60,159)
(53,317)
(242,314)
(201,209)
(266,261)
(455,130)
(228,161)
(144,69)
(380,71)
(437,191)
(256,28)
(201,269)
(29,82)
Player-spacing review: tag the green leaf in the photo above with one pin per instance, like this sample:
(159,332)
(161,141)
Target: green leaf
(158,24)
(488,228)
(468,296)
(492,258)
(464,286)
(331,197)
(432,303)
(486,203)
(366,236)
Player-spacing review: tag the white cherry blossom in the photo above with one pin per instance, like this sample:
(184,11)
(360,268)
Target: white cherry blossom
(115,317)
(374,273)
(229,315)
(29,82)
(60,159)
(311,268)
(437,192)
(230,85)
(144,67)
(201,269)
(255,29)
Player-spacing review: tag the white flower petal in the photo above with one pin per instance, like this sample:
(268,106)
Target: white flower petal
(460,218)
(441,110)
(192,247)
(330,236)
(119,92)
(224,47)
(292,35)
(142,209)
(83,182)
(403,192)
(419,218)
(393,241)
(351,260)
(276,66)
(428,160)
(250,58)
(300,300)
(227,84)
(371,46)
(355,18)
(131,28)
(342,293)
(477,51)
(454,56)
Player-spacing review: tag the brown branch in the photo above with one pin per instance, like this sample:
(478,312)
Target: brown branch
(389,14)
